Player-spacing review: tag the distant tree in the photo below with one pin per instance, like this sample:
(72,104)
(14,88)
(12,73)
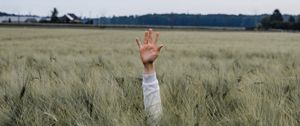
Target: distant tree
(265,22)
(275,21)
(276,16)
(292,19)
(54,17)
(297,25)
(89,21)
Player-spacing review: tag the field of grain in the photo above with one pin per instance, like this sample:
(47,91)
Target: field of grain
(77,77)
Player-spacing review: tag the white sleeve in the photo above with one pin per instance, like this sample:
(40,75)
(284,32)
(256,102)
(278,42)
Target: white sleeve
(152,100)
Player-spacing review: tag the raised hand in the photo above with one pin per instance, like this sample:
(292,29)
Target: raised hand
(148,50)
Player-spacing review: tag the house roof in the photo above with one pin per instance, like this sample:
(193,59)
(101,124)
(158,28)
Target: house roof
(72,16)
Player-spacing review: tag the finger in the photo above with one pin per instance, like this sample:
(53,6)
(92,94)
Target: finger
(150,36)
(159,47)
(146,38)
(137,40)
(156,38)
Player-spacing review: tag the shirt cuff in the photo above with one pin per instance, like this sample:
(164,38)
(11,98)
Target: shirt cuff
(149,78)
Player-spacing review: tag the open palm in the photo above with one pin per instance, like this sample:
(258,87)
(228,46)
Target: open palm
(148,50)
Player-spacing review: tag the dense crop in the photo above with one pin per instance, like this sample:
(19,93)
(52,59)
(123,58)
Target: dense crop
(93,77)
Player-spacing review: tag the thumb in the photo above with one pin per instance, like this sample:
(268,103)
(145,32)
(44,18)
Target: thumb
(159,47)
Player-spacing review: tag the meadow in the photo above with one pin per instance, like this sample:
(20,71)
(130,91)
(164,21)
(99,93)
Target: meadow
(78,77)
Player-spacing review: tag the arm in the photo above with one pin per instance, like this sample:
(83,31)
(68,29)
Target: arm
(148,53)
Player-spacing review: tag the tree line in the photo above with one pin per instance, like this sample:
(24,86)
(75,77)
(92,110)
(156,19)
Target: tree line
(260,22)
(220,20)
(276,21)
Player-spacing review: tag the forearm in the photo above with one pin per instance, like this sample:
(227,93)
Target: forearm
(149,68)
(151,92)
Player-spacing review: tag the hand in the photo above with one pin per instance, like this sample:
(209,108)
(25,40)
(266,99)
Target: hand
(148,51)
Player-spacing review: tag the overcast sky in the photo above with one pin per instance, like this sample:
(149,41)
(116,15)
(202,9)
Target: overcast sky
(96,8)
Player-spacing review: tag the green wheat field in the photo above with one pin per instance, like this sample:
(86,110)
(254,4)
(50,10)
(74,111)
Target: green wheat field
(81,77)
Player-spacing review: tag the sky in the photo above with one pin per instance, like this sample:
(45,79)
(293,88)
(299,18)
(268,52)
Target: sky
(98,8)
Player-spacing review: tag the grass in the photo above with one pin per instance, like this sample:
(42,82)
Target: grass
(93,77)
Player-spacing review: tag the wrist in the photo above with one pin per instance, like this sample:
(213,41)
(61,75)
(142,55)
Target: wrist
(149,68)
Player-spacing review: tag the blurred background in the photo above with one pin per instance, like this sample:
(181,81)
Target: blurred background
(243,15)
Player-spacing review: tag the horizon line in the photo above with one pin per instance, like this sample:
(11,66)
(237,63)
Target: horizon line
(153,14)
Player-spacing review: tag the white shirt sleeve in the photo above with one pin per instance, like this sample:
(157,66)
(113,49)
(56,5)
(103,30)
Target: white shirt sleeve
(152,101)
